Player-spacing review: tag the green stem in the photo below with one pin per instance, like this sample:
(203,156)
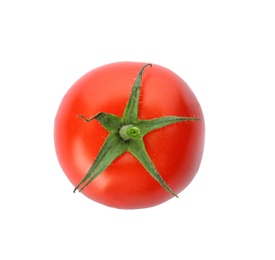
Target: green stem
(128,132)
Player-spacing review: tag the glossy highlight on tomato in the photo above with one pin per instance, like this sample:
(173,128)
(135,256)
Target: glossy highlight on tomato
(129,135)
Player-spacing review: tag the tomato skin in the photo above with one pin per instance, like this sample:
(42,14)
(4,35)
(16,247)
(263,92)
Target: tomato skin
(176,150)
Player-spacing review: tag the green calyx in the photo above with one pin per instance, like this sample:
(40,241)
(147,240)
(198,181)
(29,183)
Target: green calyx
(126,134)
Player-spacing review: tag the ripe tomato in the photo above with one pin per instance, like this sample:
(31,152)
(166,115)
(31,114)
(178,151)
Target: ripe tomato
(172,151)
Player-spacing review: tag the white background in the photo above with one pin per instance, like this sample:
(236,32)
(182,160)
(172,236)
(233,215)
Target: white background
(224,50)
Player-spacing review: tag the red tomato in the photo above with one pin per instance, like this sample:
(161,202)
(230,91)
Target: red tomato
(175,150)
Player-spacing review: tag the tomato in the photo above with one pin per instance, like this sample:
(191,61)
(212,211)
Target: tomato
(129,135)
